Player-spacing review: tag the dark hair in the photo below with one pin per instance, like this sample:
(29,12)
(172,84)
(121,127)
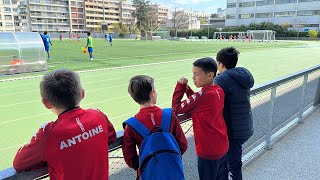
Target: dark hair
(62,88)
(228,57)
(88,33)
(206,64)
(140,87)
(45,33)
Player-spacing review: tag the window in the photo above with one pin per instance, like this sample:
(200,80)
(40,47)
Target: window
(8,17)
(6,9)
(306,0)
(285,1)
(305,13)
(285,14)
(6,1)
(231,16)
(316,12)
(0,23)
(264,15)
(246,16)
(246,4)
(9,24)
(231,5)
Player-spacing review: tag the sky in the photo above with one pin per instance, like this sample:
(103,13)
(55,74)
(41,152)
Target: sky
(209,6)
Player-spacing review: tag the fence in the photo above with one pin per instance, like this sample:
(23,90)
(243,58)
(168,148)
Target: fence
(277,106)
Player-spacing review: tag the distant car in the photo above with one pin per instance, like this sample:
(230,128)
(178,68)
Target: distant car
(204,37)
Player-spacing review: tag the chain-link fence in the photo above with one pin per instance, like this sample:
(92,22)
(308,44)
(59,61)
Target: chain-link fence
(277,107)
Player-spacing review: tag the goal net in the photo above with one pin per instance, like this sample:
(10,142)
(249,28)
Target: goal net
(237,35)
(157,35)
(262,35)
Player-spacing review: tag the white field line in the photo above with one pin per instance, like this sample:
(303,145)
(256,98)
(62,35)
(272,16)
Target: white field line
(120,97)
(131,113)
(91,82)
(11,147)
(105,69)
(139,65)
(83,77)
(96,89)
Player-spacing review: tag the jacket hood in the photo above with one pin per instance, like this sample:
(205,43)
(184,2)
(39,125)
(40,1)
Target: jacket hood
(242,76)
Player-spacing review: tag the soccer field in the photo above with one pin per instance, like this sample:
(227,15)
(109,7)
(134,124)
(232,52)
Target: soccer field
(20,104)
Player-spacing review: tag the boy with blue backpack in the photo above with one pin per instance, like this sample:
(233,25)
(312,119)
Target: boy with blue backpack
(156,132)
(206,108)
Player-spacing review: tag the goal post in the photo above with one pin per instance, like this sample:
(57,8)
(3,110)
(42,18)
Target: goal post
(262,35)
(157,35)
(226,35)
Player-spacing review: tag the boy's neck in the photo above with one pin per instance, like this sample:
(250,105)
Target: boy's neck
(209,83)
(147,104)
(58,111)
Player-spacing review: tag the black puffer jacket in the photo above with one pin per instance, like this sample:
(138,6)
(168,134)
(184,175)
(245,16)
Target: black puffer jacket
(236,84)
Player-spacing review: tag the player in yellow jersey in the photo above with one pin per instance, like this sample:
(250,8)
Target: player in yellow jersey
(90,45)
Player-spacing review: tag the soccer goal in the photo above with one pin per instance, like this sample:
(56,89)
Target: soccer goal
(262,35)
(227,35)
(157,34)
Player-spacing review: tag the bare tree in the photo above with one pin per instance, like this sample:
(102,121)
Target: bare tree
(177,19)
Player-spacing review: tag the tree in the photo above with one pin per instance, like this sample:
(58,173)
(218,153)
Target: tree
(142,12)
(120,28)
(202,21)
(285,26)
(313,33)
(214,15)
(177,19)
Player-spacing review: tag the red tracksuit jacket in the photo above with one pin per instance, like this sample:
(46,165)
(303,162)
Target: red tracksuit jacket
(206,107)
(75,146)
(149,117)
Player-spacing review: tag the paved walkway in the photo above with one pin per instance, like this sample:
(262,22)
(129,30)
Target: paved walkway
(296,156)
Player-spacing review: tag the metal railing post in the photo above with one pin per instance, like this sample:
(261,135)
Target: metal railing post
(270,117)
(303,95)
(317,96)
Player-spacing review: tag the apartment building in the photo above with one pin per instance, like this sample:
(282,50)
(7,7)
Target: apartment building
(94,13)
(77,16)
(160,13)
(6,16)
(301,14)
(49,15)
(126,12)
(68,15)
(187,20)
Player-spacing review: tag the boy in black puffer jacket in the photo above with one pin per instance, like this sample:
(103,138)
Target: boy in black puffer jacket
(236,83)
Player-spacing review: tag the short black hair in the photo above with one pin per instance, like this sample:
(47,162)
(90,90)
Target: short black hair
(228,57)
(206,64)
(62,88)
(140,88)
(88,33)
(45,33)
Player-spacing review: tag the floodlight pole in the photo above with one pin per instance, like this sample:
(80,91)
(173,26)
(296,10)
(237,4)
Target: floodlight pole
(208,32)
(104,16)
(191,23)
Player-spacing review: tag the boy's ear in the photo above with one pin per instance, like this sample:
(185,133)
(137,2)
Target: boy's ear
(152,93)
(46,104)
(82,94)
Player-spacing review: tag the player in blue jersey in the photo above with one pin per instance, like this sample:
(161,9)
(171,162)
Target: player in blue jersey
(110,39)
(47,42)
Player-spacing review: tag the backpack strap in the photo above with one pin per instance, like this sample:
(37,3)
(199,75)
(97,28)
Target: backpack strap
(137,126)
(166,119)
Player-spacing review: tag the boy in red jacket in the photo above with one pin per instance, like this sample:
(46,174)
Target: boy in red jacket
(75,146)
(206,107)
(142,90)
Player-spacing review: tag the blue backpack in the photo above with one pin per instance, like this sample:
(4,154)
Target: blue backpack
(159,156)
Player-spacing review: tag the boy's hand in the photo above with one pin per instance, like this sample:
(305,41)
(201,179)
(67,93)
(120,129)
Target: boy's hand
(183,80)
